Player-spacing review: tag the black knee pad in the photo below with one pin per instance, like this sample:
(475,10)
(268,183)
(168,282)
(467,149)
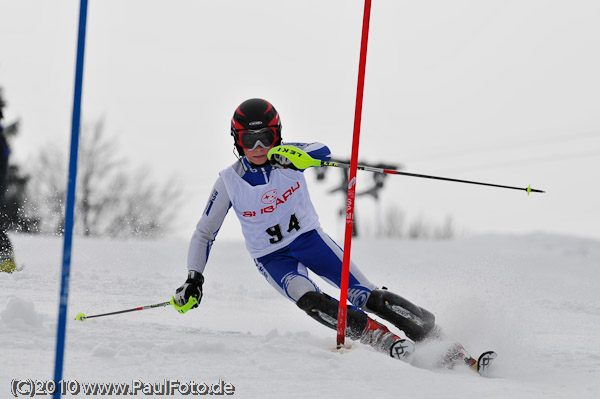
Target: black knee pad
(324,309)
(415,321)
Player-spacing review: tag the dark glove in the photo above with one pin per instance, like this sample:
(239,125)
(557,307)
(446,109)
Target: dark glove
(191,288)
(280,162)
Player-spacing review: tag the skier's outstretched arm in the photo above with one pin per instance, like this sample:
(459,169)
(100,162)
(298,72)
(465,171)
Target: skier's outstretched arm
(201,243)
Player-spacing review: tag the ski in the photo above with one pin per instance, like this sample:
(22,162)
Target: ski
(402,349)
(484,362)
(457,354)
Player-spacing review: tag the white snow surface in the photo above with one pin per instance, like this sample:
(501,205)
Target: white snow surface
(533,298)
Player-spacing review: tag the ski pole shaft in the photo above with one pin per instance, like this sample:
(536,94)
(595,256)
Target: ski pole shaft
(83,317)
(302,160)
(397,172)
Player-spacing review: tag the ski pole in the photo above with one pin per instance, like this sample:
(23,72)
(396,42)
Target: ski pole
(181,309)
(302,160)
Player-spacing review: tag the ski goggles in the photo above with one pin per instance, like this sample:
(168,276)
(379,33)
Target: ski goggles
(251,139)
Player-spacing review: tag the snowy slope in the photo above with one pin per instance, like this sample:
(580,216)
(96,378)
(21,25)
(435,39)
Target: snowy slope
(534,299)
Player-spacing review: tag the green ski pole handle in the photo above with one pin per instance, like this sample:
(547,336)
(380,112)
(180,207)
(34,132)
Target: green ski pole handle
(183,309)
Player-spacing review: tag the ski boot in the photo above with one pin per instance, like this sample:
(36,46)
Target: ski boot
(383,340)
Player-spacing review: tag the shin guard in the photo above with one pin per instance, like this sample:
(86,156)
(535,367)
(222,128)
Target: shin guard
(415,321)
(324,309)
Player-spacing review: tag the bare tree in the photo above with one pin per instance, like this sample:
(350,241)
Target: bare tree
(112,200)
(418,229)
(446,231)
(393,225)
(46,191)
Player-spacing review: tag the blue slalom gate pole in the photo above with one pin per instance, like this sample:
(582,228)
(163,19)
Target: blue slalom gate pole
(70,205)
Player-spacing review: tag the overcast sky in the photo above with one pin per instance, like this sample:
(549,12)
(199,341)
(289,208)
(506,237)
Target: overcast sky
(505,92)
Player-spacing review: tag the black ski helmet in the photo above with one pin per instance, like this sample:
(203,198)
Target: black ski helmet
(254,114)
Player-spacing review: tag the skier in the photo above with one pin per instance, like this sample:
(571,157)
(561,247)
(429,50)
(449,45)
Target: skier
(7,262)
(282,234)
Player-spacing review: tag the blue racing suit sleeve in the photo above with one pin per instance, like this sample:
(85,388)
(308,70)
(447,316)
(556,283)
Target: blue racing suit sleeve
(316,150)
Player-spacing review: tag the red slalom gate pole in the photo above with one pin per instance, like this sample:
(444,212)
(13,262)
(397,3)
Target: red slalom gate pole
(342,311)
